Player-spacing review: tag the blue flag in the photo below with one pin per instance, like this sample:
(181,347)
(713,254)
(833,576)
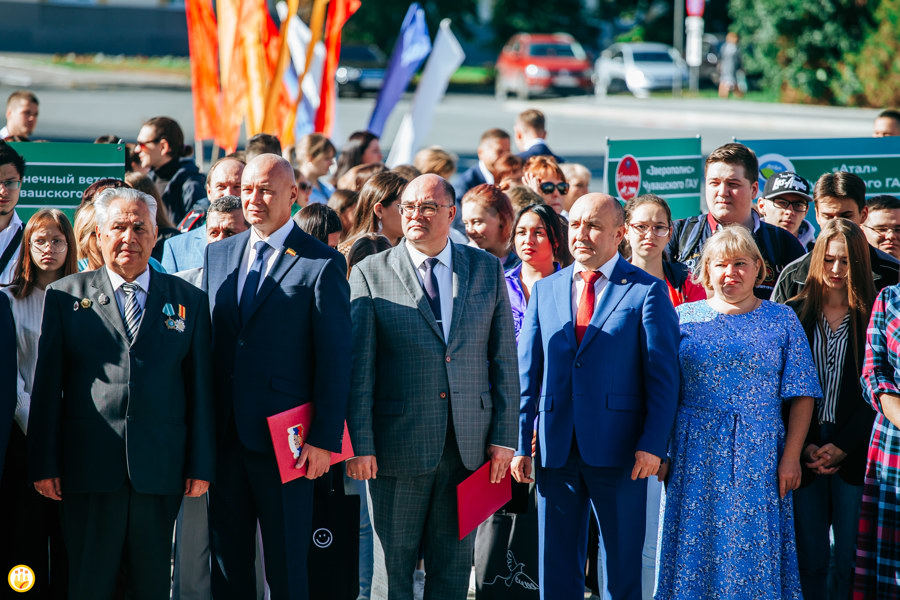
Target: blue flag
(411,49)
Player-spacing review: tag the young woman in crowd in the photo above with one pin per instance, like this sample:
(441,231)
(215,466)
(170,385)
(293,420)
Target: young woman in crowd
(48,254)
(320,222)
(315,155)
(834,307)
(376,211)
(361,148)
(356,178)
(488,217)
(343,202)
(728,530)
(543,175)
(649,228)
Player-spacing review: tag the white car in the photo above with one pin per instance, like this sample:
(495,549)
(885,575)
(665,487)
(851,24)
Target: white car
(639,68)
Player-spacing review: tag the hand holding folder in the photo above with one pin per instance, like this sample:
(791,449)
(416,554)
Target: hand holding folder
(289,431)
(477,498)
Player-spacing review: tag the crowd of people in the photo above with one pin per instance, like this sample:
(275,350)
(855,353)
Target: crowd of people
(697,408)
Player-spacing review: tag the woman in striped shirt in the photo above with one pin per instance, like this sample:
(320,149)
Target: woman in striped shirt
(834,307)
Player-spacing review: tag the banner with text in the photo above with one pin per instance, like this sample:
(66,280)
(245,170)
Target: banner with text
(875,160)
(57,173)
(671,169)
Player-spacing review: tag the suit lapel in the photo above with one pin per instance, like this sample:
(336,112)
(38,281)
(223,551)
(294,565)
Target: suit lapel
(460,286)
(403,266)
(109,309)
(288,255)
(153,306)
(616,288)
(562,293)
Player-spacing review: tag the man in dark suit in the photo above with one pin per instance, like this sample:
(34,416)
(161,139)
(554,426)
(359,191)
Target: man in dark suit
(434,388)
(494,143)
(281,338)
(121,423)
(531,134)
(598,363)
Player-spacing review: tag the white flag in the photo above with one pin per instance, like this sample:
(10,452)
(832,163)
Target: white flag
(446,57)
(299,37)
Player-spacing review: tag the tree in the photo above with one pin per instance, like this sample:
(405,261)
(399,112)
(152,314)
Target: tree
(539,16)
(378,22)
(876,67)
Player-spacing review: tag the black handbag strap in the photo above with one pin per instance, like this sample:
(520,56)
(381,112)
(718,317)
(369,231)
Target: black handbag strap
(11,249)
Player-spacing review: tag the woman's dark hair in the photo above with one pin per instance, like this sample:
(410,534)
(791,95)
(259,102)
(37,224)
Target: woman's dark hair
(555,226)
(25,275)
(366,245)
(384,189)
(319,221)
(352,152)
(168,129)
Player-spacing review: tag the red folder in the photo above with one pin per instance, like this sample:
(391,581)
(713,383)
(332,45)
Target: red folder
(289,430)
(477,498)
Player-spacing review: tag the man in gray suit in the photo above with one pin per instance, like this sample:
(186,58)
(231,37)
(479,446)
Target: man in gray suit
(434,390)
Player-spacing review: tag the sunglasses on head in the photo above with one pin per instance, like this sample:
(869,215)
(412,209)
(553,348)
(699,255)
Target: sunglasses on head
(547,187)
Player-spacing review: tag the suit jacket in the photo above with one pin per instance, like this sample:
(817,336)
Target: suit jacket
(102,409)
(618,390)
(540,149)
(8,373)
(184,251)
(467,180)
(406,378)
(294,347)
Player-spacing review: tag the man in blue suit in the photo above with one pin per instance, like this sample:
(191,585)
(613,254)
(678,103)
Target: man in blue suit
(281,338)
(598,365)
(531,134)
(184,252)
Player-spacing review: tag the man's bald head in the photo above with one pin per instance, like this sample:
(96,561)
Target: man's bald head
(224,178)
(429,234)
(596,227)
(267,193)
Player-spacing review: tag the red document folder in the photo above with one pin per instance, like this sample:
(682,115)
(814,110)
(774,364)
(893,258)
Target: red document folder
(477,498)
(289,430)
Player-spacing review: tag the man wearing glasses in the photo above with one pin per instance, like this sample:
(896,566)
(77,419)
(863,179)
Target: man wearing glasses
(785,202)
(434,389)
(12,171)
(882,226)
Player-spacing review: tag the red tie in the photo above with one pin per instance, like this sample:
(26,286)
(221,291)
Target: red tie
(586,303)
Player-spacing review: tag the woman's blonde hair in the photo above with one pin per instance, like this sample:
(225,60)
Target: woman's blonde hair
(728,242)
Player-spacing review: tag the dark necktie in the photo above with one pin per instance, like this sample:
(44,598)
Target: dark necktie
(432,291)
(586,304)
(251,284)
(132,310)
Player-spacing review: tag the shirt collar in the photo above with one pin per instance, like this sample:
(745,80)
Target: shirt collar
(445,256)
(143,280)
(535,142)
(276,239)
(715,225)
(488,176)
(606,268)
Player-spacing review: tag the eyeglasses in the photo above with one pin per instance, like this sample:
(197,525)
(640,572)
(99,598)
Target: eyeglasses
(55,246)
(883,231)
(798,206)
(427,210)
(11,184)
(304,186)
(139,145)
(658,230)
(547,187)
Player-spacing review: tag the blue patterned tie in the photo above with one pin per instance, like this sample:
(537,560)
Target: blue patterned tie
(432,291)
(251,284)
(133,310)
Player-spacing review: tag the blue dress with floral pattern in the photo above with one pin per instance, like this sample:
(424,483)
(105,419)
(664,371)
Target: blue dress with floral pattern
(726,533)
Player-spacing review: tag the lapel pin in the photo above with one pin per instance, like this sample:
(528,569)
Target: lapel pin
(103,299)
(290,252)
(86,303)
(75,306)
(624,281)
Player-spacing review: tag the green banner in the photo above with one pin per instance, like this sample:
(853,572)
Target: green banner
(57,173)
(670,168)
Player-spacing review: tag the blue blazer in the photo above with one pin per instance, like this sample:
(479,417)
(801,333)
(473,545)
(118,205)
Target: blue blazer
(293,349)
(467,180)
(540,149)
(184,251)
(617,391)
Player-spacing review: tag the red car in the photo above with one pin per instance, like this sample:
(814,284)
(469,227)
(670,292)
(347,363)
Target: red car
(536,63)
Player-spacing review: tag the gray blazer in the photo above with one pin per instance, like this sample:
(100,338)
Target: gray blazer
(405,377)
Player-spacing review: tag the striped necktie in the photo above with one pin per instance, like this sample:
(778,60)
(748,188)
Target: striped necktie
(133,310)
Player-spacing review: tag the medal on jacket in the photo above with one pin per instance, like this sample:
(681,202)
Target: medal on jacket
(174,320)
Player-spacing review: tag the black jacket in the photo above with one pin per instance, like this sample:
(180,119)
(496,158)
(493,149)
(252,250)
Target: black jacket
(778,247)
(185,190)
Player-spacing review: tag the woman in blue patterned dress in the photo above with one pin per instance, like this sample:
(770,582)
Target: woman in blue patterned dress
(728,529)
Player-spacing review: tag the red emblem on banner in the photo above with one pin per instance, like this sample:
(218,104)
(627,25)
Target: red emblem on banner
(628,177)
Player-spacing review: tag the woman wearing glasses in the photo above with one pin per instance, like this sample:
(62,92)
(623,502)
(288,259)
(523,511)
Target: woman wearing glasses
(544,176)
(48,254)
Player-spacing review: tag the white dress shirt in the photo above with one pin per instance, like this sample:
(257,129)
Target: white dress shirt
(605,270)
(275,240)
(443,272)
(6,237)
(488,176)
(143,283)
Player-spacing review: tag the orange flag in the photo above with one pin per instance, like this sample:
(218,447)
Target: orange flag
(232,69)
(339,11)
(203,41)
(278,103)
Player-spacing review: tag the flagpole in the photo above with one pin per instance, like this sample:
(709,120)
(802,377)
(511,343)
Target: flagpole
(316,25)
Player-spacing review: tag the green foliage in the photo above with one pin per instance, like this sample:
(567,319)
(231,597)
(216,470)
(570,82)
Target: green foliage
(539,16)
(801,47)
(378,21)
(876,65)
